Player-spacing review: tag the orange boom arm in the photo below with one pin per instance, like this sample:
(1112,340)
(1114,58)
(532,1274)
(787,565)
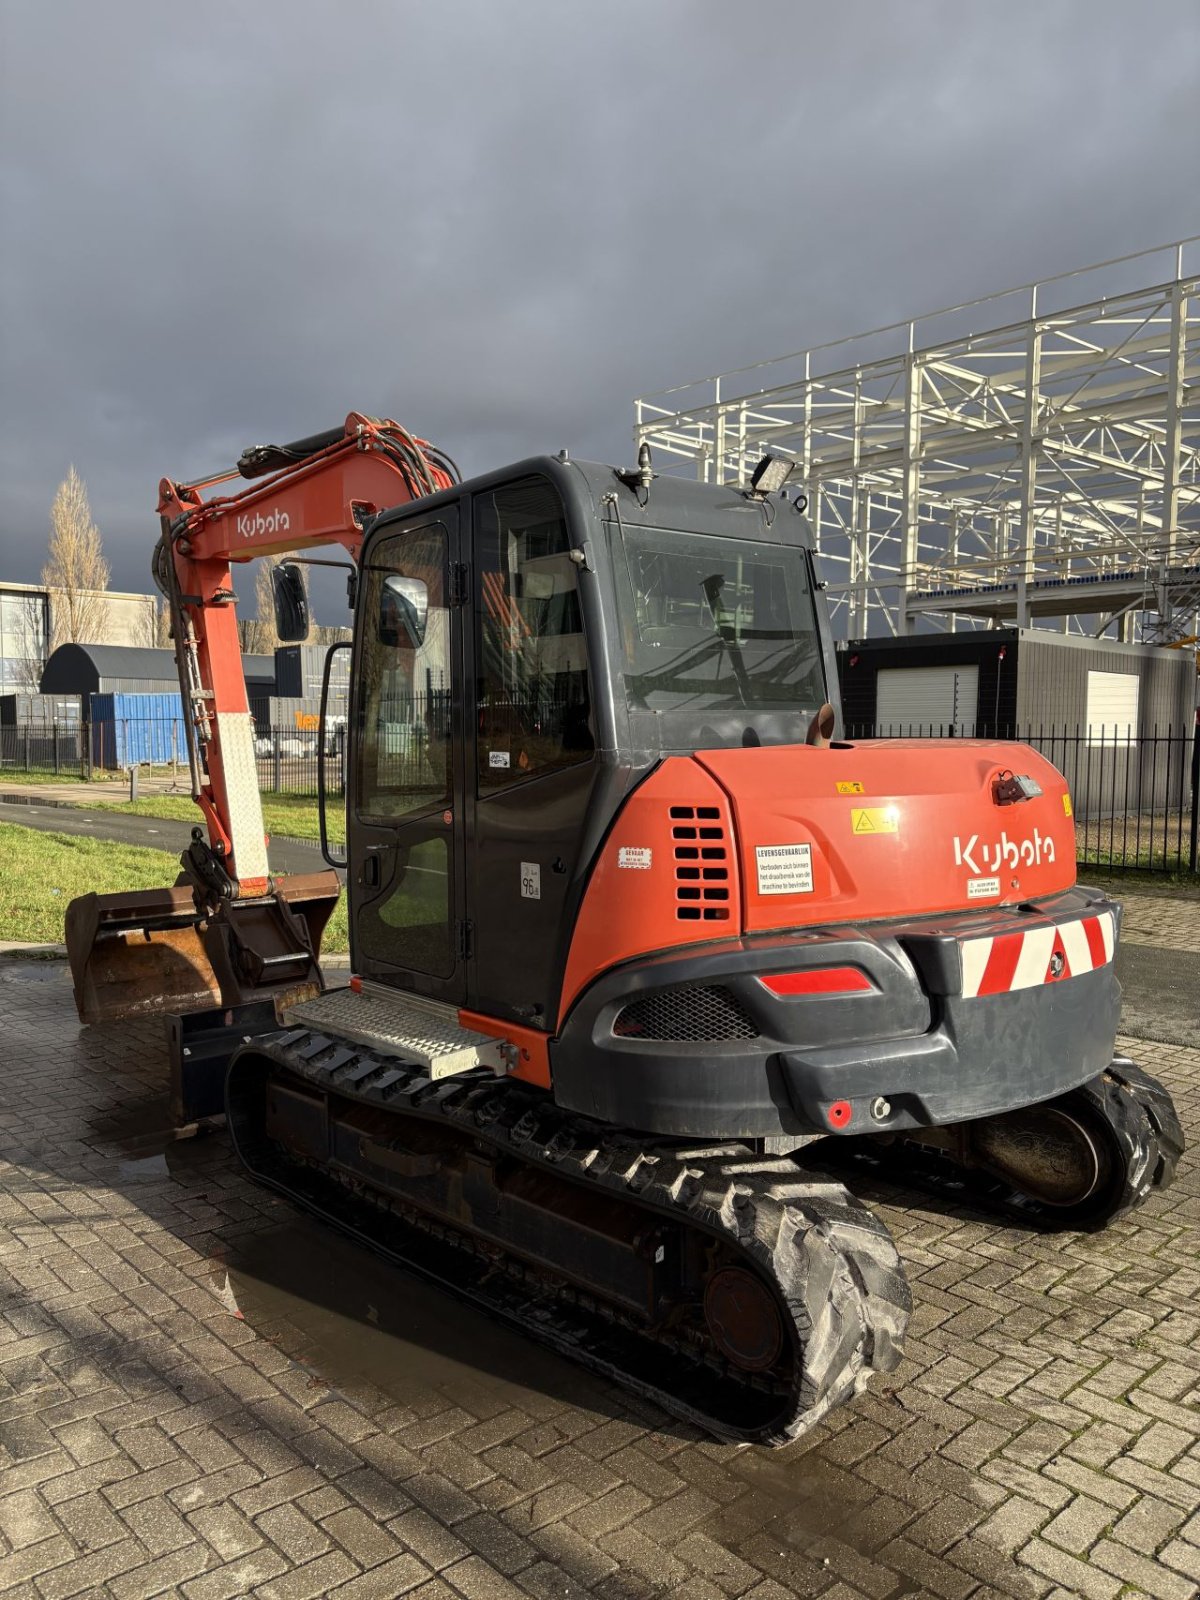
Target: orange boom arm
(318,491)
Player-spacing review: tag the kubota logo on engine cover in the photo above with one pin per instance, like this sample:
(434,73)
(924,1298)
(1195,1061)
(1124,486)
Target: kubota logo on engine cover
(251,524)
(990,855)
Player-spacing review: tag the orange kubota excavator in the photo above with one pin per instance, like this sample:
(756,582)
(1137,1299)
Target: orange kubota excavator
(642,950)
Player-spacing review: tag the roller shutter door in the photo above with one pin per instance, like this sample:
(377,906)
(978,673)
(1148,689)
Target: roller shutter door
(929,700)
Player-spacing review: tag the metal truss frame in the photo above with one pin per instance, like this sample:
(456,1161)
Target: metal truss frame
(1028,455)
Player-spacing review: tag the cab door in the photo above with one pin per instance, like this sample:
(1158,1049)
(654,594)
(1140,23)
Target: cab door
(532,757)
(405,818)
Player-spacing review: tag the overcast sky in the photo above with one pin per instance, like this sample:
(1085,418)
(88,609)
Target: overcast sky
(500,220)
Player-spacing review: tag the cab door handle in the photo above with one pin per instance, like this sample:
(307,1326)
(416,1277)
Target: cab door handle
(370,870)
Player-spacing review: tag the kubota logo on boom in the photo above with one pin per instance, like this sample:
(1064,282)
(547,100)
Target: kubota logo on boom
(252,524)
(985,855)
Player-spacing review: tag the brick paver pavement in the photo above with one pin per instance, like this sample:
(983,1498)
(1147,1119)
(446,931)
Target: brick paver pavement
(1170,922)
(203,1394)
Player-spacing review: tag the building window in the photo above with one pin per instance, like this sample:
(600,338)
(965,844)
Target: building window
(24,635)
(1112,707)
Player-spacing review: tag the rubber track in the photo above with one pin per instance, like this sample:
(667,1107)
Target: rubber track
(829,1258)
(1145,1125)
(1142,1123)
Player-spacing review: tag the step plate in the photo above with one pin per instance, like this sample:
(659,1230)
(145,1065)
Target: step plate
(415,1029)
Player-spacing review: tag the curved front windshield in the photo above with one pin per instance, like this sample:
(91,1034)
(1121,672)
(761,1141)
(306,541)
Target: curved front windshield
(710,623)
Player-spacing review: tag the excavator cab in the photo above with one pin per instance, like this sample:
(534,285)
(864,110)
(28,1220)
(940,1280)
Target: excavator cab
(527,648)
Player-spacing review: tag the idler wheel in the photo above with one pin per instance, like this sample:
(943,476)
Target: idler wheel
(743,1318)
(1046,1152)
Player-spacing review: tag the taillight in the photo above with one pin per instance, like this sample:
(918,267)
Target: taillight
(818,980)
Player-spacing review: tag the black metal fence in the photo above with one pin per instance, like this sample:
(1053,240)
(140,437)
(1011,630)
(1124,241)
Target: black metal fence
(1136,795)
(286,761)
(39,751)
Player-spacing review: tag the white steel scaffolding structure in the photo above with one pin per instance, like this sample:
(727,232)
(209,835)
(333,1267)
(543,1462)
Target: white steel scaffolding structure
(1028,455)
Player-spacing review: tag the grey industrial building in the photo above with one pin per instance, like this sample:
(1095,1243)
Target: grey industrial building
(1000,681)
(1118,719)
(87,669)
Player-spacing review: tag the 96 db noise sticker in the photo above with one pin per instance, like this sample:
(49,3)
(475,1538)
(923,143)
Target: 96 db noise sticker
(784,868)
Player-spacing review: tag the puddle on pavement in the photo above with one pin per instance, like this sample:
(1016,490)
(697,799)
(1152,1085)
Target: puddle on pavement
(145,1169)
(144,1147)
(816,1511)
(366,1320)
(797,1499)
(139,1129)
(136,1127)
(351,1318)
(42,969)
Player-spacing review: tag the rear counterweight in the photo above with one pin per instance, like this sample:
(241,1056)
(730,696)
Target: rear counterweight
(875,1029)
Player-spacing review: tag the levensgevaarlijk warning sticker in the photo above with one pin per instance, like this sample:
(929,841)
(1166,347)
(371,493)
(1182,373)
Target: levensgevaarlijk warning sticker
(784,868)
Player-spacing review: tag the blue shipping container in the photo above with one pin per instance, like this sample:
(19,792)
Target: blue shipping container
(130,729)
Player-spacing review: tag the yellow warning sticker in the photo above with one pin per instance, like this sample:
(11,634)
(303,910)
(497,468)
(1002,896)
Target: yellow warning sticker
(875,819)
(1066,805)
(851,786)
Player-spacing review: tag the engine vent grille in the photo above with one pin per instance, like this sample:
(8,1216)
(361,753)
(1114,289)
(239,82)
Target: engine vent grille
(701,864)
(692,1012)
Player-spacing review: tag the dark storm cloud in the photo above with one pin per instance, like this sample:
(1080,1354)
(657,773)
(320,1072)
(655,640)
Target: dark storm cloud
(500,222)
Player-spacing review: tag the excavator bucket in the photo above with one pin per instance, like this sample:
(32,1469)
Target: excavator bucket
(151,953)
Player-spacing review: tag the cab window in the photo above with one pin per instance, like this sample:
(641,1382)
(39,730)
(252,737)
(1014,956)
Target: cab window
(533,704)
(404,697)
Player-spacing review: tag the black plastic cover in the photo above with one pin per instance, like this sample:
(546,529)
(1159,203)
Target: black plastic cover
(259,459)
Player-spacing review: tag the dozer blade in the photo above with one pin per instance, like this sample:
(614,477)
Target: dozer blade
(151,953)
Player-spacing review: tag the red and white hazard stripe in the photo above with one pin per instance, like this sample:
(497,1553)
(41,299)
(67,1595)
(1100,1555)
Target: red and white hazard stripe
(1026,959)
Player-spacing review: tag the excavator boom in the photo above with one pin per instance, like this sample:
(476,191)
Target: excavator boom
(228,933)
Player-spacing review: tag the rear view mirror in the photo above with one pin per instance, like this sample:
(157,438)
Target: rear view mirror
(291,602)
(403,612)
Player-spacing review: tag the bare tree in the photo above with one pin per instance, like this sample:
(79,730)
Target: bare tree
(154,626)
(75,567)
(264,596)
(324,633)
(257,635)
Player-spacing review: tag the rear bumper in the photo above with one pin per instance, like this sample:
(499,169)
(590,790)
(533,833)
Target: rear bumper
(819,1063)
